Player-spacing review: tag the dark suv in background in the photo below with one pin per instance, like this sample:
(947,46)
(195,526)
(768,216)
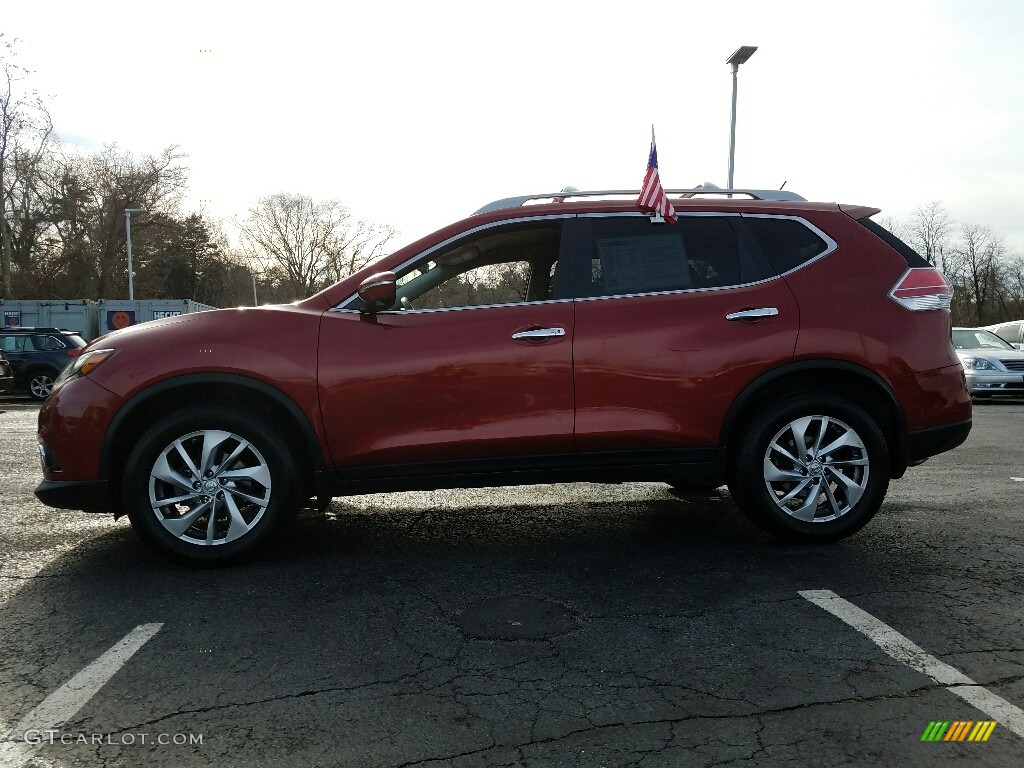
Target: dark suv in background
(38,355)
(797,351)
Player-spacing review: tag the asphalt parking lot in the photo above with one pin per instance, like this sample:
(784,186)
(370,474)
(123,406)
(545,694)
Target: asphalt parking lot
(579,625)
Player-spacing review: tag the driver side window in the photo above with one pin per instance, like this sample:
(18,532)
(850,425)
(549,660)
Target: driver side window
(510,266)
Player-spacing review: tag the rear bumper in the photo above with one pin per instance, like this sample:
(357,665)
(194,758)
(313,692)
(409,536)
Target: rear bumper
(86,495)
(923,443)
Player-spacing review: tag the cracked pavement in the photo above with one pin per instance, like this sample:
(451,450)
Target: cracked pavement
(643,628)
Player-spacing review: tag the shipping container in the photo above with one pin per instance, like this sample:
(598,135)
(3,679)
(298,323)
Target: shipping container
(72,315)
(92,318)
(115,314)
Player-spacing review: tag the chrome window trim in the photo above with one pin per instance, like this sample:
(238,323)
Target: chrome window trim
(680,290)
(415,311)
(437,246)
(679,215)
(831,246)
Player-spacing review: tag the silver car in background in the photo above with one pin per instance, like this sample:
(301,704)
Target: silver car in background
(993,365)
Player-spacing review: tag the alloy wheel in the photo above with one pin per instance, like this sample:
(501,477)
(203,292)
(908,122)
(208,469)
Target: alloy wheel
(209,487)
(816,468)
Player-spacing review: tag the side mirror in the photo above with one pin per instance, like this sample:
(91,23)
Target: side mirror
(378,292)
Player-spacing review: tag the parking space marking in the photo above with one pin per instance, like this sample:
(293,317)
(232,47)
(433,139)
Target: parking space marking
(63,703)
(903,650)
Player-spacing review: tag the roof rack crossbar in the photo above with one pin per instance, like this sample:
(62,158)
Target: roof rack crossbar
(755,194)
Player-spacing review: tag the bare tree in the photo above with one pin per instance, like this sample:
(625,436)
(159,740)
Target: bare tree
(928,232)
(1010,289)
(895,226)
(25,134)
(308,244)
(976,266)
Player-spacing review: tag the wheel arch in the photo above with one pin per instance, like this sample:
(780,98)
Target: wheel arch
(252,395)
(861,385)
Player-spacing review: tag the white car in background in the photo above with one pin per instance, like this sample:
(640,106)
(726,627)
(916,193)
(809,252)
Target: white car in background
(992,364)
(1012,332)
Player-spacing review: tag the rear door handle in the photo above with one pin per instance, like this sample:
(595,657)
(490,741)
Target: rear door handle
(749,315)
(539,333)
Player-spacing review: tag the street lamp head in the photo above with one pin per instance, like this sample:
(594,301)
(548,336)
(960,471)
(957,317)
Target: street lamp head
(741,54)
(134,210)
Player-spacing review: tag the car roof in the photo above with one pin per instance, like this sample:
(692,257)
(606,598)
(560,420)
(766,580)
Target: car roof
(32,329)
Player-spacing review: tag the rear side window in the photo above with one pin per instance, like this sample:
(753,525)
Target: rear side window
(630,255)
(46,343)
(914,259)
(788,243)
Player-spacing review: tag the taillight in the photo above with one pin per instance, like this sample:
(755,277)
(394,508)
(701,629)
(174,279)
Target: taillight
(73,352)
(922,288)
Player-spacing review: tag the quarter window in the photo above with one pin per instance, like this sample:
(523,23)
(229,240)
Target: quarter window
(787,242)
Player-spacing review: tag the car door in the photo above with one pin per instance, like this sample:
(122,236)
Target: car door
(672,321)
(472,368)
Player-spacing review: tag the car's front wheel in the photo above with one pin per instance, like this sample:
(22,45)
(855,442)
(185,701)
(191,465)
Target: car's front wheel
(209,484)
(813,468)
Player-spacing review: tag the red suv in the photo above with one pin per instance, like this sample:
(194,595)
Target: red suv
(797,351)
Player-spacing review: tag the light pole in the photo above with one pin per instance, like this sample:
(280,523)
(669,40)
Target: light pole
(739,56)
(128,230)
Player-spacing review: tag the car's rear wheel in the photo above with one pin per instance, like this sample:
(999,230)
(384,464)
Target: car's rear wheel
(813,468)
(209,484)
(40,383)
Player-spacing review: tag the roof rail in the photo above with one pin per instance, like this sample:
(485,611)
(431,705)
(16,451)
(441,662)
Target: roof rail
(755,194)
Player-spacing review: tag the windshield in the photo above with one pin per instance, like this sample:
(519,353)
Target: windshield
(975,338)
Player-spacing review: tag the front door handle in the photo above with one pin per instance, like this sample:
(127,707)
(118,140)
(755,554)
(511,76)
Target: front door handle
(752,315)
(538,333)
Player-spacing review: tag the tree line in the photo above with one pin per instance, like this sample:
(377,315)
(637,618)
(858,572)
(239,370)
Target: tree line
(988,280)
(63,232)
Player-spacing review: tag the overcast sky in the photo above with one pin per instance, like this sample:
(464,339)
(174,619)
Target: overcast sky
(416,113)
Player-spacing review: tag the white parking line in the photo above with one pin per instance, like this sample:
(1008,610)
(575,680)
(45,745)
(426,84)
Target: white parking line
(63,703)
(903,650)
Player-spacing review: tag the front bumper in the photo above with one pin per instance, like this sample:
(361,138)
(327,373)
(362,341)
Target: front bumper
(995,383)
(86,495)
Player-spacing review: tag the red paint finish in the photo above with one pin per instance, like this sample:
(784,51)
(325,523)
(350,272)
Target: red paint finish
(446,385)
(72,423)
(662,371)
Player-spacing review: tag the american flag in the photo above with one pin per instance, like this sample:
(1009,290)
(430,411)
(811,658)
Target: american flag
(652,194)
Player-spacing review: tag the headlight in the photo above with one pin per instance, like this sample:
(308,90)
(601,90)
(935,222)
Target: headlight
(978,364)
(83,365)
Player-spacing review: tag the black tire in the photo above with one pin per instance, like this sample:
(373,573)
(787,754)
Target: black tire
(250,496)
(823,507)
(40,382)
